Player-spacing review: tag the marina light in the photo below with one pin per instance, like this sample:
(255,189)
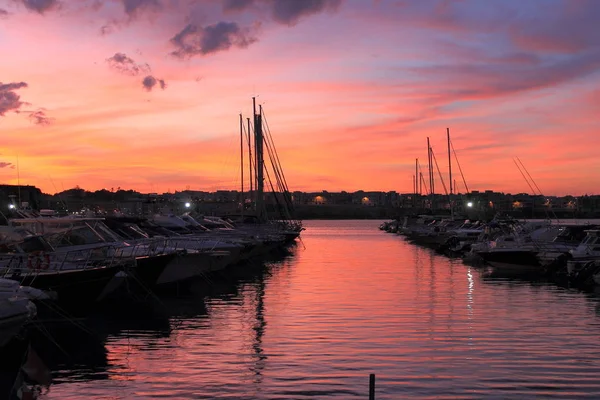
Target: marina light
(187,205)
(11,206)
(470,204)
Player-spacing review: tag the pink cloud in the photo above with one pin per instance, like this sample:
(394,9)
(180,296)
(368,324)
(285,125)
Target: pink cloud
(350,95)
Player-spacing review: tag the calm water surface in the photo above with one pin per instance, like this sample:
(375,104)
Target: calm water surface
(351,300)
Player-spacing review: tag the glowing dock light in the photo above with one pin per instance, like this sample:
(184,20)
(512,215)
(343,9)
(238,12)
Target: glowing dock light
(11,206)
(470,204)
(187,205)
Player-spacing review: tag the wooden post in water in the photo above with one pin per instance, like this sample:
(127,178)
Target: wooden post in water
(372,387)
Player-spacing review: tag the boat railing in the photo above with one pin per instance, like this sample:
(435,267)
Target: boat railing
(62,261)
(189,242)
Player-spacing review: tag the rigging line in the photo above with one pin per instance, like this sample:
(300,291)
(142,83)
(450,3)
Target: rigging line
(421,178)
(459,167)
(524,177)
(281,183)
(527,172)
(537,187)
(227,162)
(285,210)
(56,191)
(279,169)
(439,172)
(252,171)
(278,174)
(272,156)
(271,138)
(279,208)
(425,184)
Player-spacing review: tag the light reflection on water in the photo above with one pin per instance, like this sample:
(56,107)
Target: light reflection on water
(354,301)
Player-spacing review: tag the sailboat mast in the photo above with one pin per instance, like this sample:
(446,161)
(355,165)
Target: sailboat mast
(430,170)
(250,178)
(259,166)
(450,173)
(416,181)
(242,161)
(449,159)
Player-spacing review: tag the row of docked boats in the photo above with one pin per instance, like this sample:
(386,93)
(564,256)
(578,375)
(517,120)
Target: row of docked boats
(535,248)
(76,264)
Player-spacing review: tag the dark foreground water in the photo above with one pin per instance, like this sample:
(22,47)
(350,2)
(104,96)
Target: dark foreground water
(353,301)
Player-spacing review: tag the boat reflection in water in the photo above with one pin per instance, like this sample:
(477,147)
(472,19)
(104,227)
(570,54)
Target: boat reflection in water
(354,301)
(132,338)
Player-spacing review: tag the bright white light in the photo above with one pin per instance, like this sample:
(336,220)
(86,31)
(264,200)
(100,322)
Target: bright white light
(187,205)
(470,204)
(11,206)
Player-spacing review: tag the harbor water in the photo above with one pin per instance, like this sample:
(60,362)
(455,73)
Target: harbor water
(348,301)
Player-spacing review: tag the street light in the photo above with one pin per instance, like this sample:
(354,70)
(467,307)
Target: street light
(11,206)
(187,205)
(470,204)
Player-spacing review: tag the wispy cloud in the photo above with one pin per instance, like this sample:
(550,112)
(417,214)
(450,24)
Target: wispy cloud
(9,98)
(126,65)
(291,11)
(194,40)
(133,7)
(41,6)
(39,117)
(149,82)
(236,5)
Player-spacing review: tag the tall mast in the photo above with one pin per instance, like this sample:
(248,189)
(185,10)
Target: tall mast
(259,165)
(450,173)
(242,160)
(414,198)
(430,170)
(449,159)
(416,175)
(250,176)
(416,181)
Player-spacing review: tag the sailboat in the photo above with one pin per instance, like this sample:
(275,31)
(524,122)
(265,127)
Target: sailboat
(256,217)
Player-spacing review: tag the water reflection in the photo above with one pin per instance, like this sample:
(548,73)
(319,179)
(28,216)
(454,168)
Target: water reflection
(314,324)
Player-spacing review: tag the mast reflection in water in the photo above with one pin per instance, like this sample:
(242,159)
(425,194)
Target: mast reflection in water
(354,301)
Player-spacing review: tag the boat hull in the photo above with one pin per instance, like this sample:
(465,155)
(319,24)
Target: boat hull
(74,288)
(522,258)
(149,269)
(185,266)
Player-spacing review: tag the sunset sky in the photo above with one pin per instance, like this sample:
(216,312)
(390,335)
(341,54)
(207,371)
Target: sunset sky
(146,94)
